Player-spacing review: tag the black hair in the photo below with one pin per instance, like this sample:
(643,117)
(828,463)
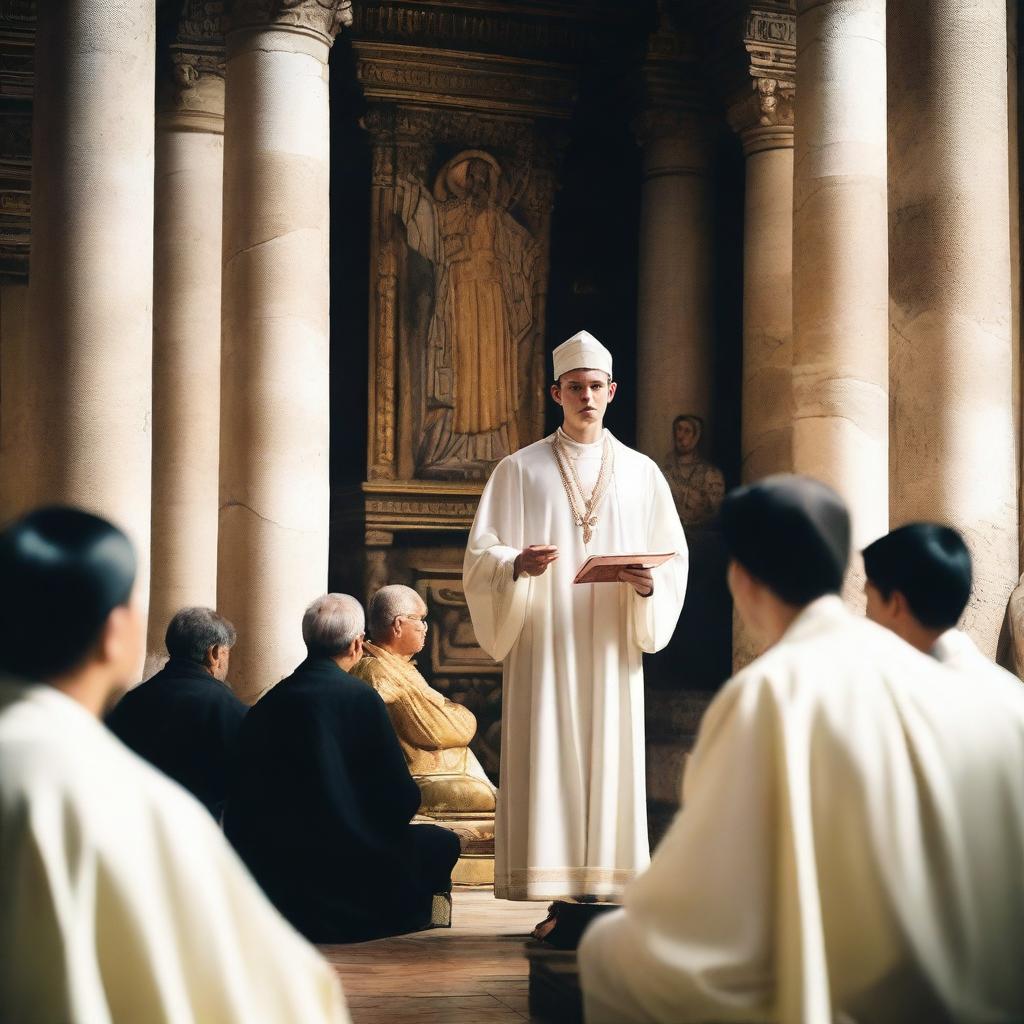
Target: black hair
(62,572)
(929,565)
(193,631)
(790,532)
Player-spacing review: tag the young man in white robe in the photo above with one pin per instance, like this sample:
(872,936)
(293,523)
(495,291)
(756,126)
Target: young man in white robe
(571,816)
(852,832)
(119,898)
(918,584)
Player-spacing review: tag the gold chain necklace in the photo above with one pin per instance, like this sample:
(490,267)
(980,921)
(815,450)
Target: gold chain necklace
(587,518)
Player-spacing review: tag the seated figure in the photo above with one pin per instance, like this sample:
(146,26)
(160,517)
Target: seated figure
(185,720)
(918,585)
(434,732)
(119,898)
(852,831)
(321,800)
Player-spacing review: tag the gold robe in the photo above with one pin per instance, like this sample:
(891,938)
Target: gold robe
(434,733)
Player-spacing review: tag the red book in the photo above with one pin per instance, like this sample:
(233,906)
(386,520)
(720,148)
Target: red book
(606,568)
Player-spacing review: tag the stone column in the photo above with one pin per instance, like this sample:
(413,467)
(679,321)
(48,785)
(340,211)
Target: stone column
(274,478)
(951,335)
(762,115)
(675,341)
(87,387)
(186,325)
(840,288)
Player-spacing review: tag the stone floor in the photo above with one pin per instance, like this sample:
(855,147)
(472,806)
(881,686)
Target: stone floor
(473,973)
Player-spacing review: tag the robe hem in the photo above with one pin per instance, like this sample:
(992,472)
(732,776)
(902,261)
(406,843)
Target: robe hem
(564,883)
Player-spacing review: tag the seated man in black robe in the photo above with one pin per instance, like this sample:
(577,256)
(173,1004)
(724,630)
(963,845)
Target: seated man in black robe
(185,720)
(321,800)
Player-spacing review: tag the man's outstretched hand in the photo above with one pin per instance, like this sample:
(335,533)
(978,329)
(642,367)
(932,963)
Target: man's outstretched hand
(532,561)
(640,580)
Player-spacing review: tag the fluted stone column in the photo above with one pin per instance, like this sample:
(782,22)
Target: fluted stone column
(953,457)
(840,263)
(186,326)
(274,486)
(87,386)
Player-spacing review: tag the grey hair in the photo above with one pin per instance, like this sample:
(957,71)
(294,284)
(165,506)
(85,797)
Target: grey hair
(331,623)
(387,604)
(193,631)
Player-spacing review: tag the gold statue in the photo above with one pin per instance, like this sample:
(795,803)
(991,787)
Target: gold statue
(484,265)
(434,732)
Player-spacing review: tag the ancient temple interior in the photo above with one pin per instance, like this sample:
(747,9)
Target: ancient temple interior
(280,280)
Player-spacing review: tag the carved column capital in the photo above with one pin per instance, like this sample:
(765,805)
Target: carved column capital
(761,111)
(320,18)
(194,97)
(673,104)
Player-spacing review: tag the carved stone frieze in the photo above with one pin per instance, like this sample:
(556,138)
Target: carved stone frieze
(573,32)
(387,72)
(324,18)
(770,39)
(418,506)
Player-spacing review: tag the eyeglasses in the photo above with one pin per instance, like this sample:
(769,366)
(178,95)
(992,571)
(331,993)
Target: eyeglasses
(418,619)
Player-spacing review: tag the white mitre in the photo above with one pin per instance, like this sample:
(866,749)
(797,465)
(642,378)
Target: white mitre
(581,352)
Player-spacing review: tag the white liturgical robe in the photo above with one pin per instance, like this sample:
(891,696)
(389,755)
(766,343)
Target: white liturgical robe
(956,650)
(850,849)
(120,900)
(572,815)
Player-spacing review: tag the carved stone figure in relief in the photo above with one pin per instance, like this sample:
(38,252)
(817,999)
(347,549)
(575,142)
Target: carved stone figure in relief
(698,487)
(484,266)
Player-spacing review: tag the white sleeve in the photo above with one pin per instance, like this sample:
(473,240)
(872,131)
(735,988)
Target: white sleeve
(497,603)
(655,617)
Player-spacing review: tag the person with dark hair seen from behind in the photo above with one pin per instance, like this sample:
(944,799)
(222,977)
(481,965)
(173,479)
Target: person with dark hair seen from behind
(120,900)
(185,720)
(321,802)
(852,827)
(918,585)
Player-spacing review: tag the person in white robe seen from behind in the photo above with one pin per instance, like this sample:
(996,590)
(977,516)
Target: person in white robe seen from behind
(571,815)
(851,841)
(120,900)
(918,585)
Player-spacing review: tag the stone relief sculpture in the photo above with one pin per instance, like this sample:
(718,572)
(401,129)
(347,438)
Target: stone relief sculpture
(698,487)
(484,264)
